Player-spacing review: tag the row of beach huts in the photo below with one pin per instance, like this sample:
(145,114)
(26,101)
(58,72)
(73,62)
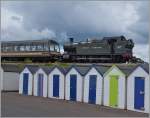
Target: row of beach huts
(118,86)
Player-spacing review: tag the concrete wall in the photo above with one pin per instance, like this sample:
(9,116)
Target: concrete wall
(10,81)
(1,78)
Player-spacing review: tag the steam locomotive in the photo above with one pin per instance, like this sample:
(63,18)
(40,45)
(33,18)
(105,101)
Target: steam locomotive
(109,49)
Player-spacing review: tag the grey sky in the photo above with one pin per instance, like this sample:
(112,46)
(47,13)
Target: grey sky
(42,19)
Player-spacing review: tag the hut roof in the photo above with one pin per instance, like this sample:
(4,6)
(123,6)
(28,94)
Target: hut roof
(46,69)
(82,69)
(102,68)
(32,68)
(59,68)
(127,69)
(145,66)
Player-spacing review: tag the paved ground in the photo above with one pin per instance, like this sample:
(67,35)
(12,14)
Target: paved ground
(14,105)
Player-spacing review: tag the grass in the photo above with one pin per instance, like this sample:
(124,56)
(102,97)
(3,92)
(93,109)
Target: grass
(60,64)
(57,64)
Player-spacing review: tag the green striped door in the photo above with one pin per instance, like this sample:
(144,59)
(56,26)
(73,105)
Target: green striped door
(113,96)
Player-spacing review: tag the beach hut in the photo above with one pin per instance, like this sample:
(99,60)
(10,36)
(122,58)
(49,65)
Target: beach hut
(93,84)
(138,89)
(26,80)
(114,88)
(9,77)
(73,84)
(40,81)
(56,83)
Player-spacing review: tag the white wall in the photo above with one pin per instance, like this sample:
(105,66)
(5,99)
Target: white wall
(1,77)
(79,85)
(93,71)
(44,82)
(121,87)
(138,72)
(30,82)
(61,83)
(10,81)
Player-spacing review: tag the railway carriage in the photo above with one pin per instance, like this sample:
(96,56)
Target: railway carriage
(35,50)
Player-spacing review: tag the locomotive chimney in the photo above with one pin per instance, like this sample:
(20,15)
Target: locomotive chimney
(71,40)
(88,39)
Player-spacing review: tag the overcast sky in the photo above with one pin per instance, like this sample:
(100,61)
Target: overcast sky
(27,20)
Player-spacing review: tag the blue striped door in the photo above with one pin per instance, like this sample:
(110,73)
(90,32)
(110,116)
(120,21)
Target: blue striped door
(25,83)
(139,93)
(73,84)
(56,85)
(92,89)
(40,85)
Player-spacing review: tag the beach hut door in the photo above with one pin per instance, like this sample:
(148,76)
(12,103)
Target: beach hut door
(113,91)
(92,89)
(25,83)
(73,83)
(56,85)
(139,93)
(40,85)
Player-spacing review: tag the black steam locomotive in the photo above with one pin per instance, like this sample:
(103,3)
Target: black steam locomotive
(109,49)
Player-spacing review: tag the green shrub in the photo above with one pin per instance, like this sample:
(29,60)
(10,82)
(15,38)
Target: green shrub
(28,60)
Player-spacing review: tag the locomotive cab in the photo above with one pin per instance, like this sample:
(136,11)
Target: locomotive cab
(130,44)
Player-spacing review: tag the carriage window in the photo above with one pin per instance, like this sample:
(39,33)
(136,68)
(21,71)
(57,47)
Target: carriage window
(27,48)
(46,48)
(33,48)
(39,47)
(52,47)
(8,48)
(21,48)
(15,48)
(57,48)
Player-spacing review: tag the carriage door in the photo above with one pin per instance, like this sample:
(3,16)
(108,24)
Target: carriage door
(56,85)
(92,89)
(25,83)
(113,95)
(40,85)
(73,84)
(139,93)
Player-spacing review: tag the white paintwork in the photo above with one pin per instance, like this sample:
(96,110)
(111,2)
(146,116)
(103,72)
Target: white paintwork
(79,85)
(9,81)
(138,72)
(30,81)
(45,78)
(56,71)
(99,80)
(121,87)
(1,78)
